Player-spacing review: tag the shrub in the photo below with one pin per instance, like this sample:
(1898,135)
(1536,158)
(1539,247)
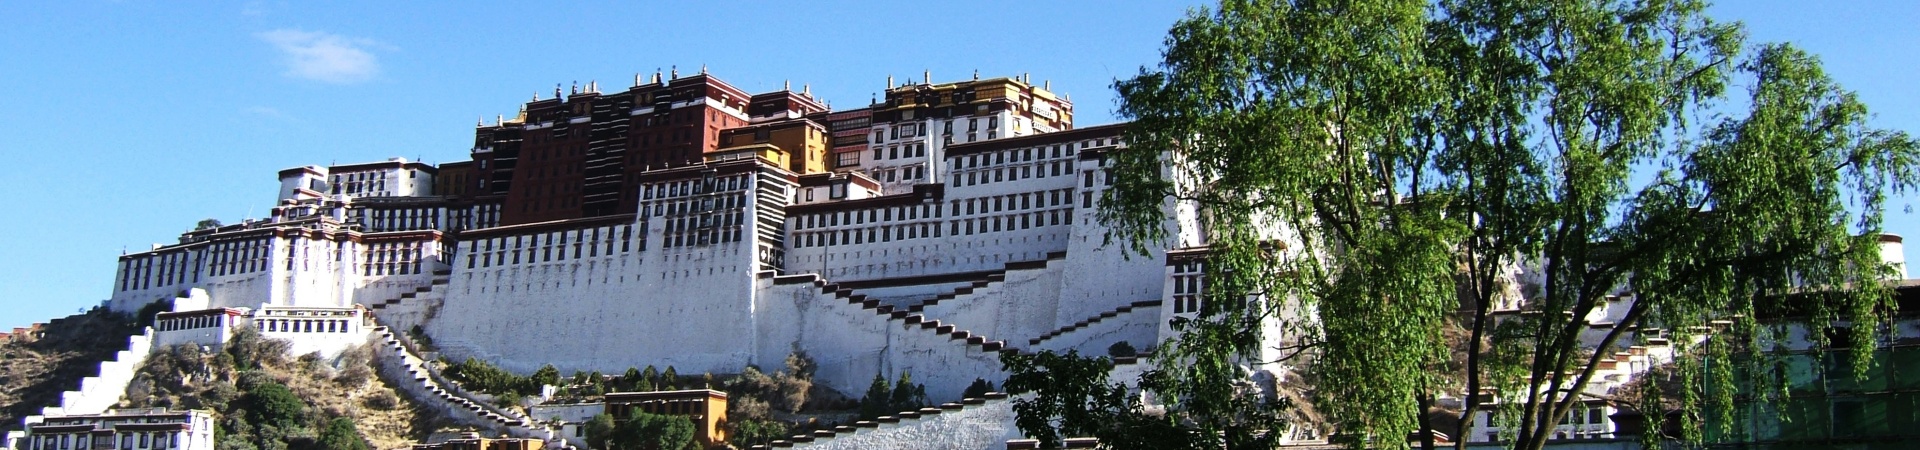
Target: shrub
(979,388)
(341,435)
(1121,349)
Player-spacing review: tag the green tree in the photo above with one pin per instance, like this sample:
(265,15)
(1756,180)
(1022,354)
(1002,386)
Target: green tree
(669,380)
(1416,152)
(599,431)
(272,404)
(980,387)
(651,378)
(878,400)
(1071,396)
(906,395)
(748,433)
(340,434)
(546,376)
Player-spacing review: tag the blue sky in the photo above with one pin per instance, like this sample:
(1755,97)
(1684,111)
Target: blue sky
(134,119)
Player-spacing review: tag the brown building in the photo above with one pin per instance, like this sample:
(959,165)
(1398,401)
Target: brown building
(707,408)
(580,154)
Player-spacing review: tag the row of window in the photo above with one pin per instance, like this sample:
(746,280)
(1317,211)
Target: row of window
(303,325)
(78,441)
(585,243)
(958,227)
(692,187)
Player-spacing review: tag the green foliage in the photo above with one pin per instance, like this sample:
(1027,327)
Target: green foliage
(477,375)
(250,350)
(748,433)
(272,404)
(884,399)
(599,430)
(1072,397)
(144,317)
(906,395)
(979,388)
(669,380)
(877,400)
(546,376)
(340,434)
(641,431)
(1422,150)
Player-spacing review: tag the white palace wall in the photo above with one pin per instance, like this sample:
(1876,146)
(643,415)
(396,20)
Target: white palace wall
(851,344)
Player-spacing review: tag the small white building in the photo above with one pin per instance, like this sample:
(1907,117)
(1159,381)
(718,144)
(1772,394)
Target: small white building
(130,429)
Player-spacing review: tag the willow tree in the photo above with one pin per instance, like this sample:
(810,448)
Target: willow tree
(1386,164)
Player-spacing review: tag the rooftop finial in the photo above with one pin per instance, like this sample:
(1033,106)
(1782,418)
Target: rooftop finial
(499,119)
(674,71)
(926,76)
(479,121)
(656,75)
(575,88)
(556,91)
(786,85)
(889,81)
(636,79)
(703,69)
(807,89)
(1049,85)
(536,96)
(976,74)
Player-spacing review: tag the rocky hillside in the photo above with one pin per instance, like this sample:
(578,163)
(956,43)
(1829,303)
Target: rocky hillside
(267,400)
(33,374)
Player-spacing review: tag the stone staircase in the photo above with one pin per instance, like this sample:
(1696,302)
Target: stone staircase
(428,386)
(824,438)
(440,278)
(1084,323)
(908,317)
(991,279)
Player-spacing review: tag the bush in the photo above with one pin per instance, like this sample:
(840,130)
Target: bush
(341,435)
(272,404)
(1122,349)
(978,389)
(382,400)
(748,433)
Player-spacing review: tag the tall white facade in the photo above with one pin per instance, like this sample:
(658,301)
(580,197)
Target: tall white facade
(994,249)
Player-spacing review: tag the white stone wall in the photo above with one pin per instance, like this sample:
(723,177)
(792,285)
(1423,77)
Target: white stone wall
(687,307)
(851,344)
(1139,327)
(282,265)
(99,392)
(977,427)
(1017,308)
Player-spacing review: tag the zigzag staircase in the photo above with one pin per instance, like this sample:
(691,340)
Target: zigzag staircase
(440,278)
(907,418)
(906,317)
(420,375)
(1083,323)
(990,279)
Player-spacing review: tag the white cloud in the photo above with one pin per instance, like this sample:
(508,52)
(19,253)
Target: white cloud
(265,111)
(324,57)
